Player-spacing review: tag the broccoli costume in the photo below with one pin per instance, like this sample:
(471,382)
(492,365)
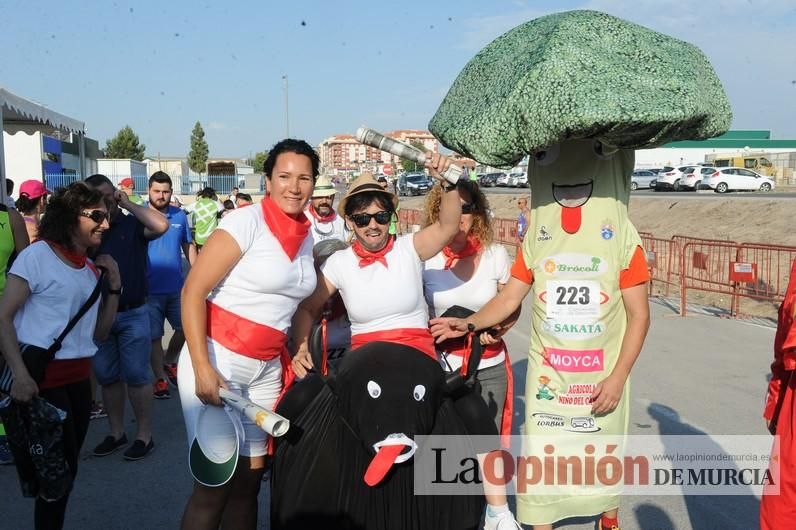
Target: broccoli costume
(578,91)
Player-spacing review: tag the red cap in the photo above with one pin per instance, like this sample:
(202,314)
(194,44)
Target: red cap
(33,189)
(127,183)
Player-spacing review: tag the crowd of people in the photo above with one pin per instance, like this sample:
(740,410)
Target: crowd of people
(240,329)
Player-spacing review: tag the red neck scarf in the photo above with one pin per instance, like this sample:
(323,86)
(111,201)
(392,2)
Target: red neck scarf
(328,219)
(366,257)
(472,247)
(75,258)
(289,231)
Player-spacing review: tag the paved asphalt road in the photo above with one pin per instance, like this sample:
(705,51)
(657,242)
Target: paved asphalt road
(696,375)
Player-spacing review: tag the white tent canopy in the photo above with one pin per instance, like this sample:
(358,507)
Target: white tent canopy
(20,111)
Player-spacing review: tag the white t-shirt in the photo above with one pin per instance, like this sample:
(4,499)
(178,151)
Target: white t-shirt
(264,286)
(379,298)
(323,231)
(57,293)
(444,289)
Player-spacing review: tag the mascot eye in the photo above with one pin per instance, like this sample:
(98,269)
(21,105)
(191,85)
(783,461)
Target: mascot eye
(604,151)
(548,156)
(419,393)
(374,389)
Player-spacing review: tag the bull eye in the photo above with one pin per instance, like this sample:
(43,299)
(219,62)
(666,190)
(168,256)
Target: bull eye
(603,150)
(547,156)
(419,393)
(374,389)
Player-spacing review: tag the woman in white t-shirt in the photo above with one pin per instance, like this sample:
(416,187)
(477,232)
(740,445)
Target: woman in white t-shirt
(468,273)
(237,303)
(47,284)
(379,277)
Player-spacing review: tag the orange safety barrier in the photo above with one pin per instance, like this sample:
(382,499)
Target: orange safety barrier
(505,232)
(761,272)
(705,266)
(663,261)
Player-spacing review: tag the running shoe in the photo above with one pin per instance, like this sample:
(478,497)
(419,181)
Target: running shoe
(161,389)
(110,445)
(6,457)
(171,373)
(139,450)
(98,410)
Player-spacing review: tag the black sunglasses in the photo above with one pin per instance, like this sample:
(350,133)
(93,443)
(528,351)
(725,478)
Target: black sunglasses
(363,219)
(469,207)
(96,215)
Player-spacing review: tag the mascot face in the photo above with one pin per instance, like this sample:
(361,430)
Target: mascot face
(387,393)
(572,172)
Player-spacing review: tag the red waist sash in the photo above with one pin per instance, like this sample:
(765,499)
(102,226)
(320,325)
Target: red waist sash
(244,336)
(418,338)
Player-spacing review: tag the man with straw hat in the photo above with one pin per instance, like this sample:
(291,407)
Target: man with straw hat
(326,224)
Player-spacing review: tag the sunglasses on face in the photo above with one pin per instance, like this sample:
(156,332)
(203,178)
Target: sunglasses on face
(96,215)
(363,219)
(469,207)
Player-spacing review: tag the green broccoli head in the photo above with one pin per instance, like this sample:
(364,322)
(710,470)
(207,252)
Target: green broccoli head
(580,74)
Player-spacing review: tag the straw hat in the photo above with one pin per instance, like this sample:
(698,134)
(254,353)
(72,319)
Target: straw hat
(364,183)
(323,187)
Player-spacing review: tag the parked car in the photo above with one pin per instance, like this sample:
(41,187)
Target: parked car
(642,178)
(488,180)
(518,180)
(670,180)
(693,176)
(724,179)
(413,184)
(502,179)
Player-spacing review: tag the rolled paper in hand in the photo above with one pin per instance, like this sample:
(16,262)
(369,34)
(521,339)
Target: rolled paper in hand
(267,420)
(379,141)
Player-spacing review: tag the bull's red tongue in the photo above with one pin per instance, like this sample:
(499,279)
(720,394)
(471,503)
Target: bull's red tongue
(570,219)
(382,463)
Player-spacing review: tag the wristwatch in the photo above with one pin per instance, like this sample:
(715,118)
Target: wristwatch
(117,292)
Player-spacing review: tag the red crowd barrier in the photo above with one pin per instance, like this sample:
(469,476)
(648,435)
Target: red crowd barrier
(663,260)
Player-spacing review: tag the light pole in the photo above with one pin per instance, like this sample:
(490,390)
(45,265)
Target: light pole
(287,115)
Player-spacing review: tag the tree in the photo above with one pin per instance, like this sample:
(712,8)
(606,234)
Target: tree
(197,157)
(125,145)
(258,161)
(411,165)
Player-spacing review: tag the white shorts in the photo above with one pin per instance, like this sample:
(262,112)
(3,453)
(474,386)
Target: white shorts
(258,381)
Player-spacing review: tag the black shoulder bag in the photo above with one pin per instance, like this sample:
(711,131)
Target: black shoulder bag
(35,357)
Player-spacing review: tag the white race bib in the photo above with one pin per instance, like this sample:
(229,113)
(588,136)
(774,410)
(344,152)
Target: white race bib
(573,299)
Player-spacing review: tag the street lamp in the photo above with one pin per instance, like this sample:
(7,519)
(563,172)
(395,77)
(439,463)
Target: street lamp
(287,115)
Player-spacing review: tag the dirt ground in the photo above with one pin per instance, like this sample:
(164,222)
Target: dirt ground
(737,219)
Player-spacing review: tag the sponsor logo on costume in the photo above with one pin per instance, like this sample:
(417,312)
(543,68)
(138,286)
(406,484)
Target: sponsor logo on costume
(544,390)
(577,395)
(607,230)
(574,360)
(580,265)
(543,419)
(573,330)
(544,235)
(582,424)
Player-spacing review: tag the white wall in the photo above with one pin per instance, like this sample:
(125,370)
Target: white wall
(23,156)
(119,168)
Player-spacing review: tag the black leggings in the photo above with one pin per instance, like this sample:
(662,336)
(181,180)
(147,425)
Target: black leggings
(75,400)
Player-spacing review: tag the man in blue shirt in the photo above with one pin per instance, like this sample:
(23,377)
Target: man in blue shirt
(164,273)
(121,363)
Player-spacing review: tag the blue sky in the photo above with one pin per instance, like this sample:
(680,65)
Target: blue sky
(161,66)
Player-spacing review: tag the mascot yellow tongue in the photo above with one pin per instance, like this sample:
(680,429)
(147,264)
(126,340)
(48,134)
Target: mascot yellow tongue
(382,463)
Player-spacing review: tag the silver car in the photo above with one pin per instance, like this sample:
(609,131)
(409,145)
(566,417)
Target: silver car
(642,178)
